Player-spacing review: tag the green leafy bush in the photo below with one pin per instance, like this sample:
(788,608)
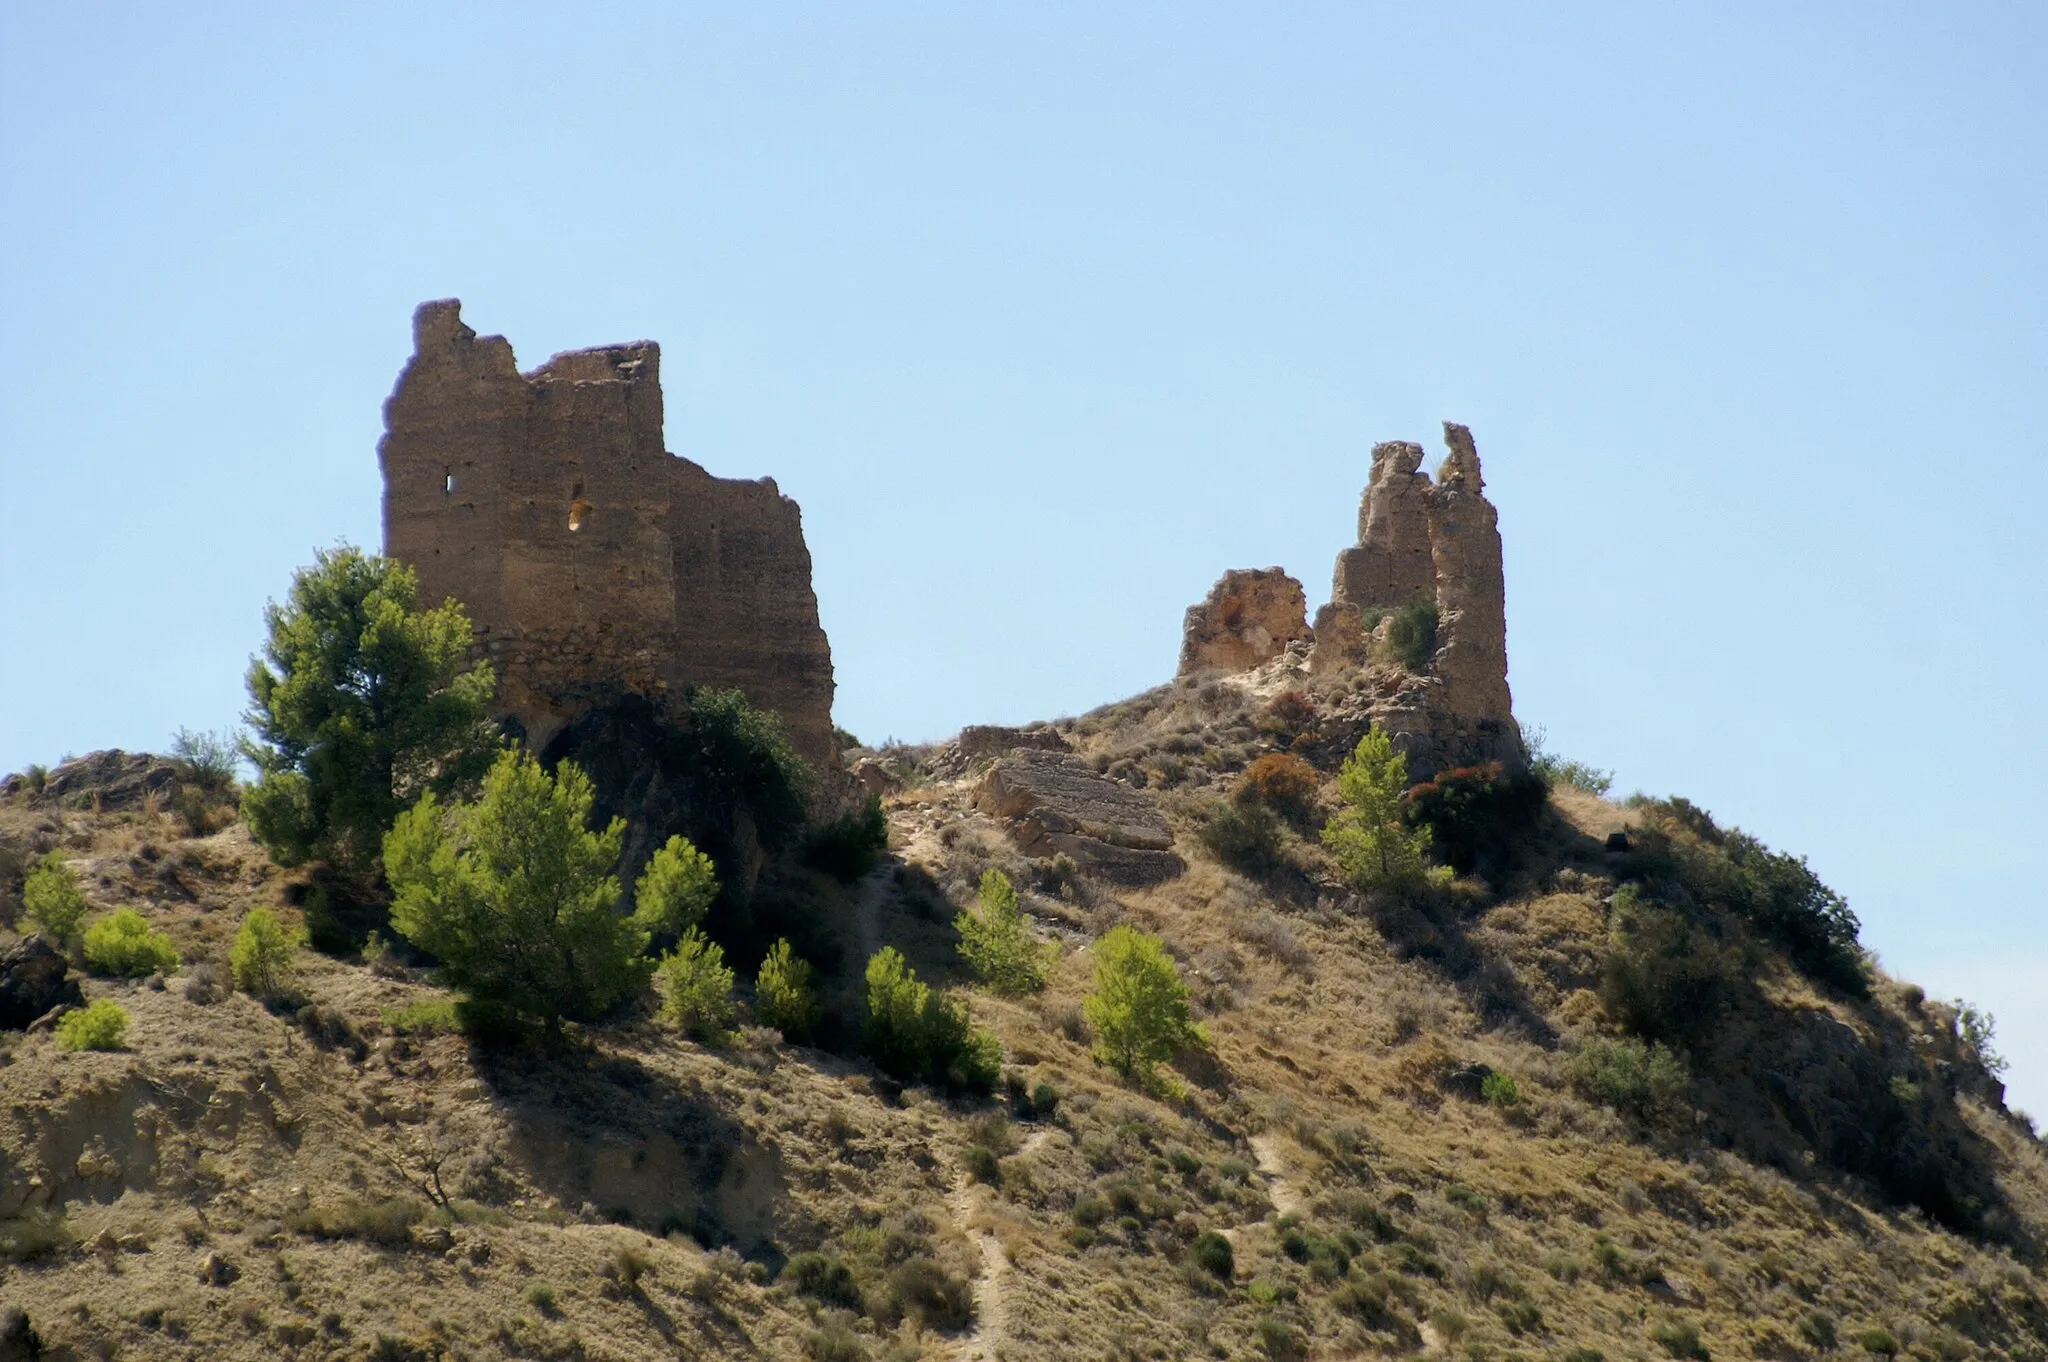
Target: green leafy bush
(1500,1090)
(1879,1342)
(261,957)
(915,1033)
(1139,1005)
(824,1279)
(1369,836)
(1470,810)
(123,943)
(1245,837)
(930,1295)
(1214,1255)
(1552,769)
(100,1025)
(52,899)
(851,845)
(1627,1074)
(206,760)
(1667,976)
(784,997)
(517,897)
(740,758)
(1412,634)
(696,987)
(361,702)
(996,942)
(426,1017)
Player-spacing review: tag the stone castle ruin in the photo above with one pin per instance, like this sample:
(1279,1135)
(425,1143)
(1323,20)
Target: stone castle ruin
(1418,540)
(593,562)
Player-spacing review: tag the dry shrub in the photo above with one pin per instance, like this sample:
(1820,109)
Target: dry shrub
(1284,784)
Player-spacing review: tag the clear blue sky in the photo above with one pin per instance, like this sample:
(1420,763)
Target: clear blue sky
(1049,313)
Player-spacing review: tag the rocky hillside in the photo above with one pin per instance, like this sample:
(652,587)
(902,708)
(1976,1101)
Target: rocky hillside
(1446,1124)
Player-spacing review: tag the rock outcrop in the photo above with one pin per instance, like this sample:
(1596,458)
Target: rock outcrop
(1392,563)
(34,977)
(592,562)
(1249,618)
(1054,805)
(113,779)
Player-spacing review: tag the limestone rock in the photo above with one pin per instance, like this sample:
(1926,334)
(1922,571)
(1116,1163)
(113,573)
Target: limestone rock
(34,978)
(1249,618)
(983,740)
(1056,806)
(873,776)
(116,779)
(1471,594)
(1342,640)
(592,561)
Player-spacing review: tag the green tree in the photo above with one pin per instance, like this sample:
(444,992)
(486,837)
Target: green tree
(261,958)
(995,941)
(518,897)
(53,900)
(913,1032)
(696,986)
(123,943)
(783,997)
(361,703)
(1139,1007)
(1372,845)
(676,888)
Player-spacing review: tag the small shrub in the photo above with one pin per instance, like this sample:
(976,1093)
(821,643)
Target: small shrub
(676,889)
(930,1295)
(1681,1338)
(1500,1090)
(388,1223)
(1139,1006)
(33,1236)
(783,996)
(425,1017)
(51,898)
(1449,1322)
(1471,810)
(1627,1074)
(206,760)
(1412,634)
(850,846)
(1818,1328)
(124,944)
(834,1341)
(1284,784)
(261,958)
(1552,769)
(982,1165)
(1245,837)
(696,987)
(996,942)
(541,1297)
(1564,1267)
(1465,1199)
(1879,1341)
(1289,714)
(1214,1255)
(629,1265)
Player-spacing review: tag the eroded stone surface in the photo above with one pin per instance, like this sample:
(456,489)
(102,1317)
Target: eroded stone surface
(1054,805)
(1429,540)
(591,560)
(1249,618)
(116,779)
(34,978)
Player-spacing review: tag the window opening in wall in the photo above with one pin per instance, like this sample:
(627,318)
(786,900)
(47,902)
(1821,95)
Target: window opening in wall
(448,484)
(579,509)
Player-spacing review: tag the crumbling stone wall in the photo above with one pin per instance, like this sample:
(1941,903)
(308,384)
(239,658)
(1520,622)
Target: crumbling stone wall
(1418,539)
(1250,617)
(591,560)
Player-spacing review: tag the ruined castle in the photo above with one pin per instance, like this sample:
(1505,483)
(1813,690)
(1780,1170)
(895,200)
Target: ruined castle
(1418,540)
(592,561)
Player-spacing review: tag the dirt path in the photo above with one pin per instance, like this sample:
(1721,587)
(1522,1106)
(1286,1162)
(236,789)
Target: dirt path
(984,1338)
(1286,1198)
(867,910)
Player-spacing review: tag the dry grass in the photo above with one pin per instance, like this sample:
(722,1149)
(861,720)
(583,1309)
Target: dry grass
(635,1197)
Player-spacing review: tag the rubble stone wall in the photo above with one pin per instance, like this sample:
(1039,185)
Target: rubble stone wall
(590,559)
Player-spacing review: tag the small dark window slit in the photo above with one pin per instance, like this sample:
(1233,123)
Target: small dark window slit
(448,484)
(579,509)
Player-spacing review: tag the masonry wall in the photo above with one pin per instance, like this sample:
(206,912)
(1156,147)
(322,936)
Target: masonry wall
(590,559)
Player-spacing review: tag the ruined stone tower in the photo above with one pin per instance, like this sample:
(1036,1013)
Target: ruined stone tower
(591,560)
(1418,540)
